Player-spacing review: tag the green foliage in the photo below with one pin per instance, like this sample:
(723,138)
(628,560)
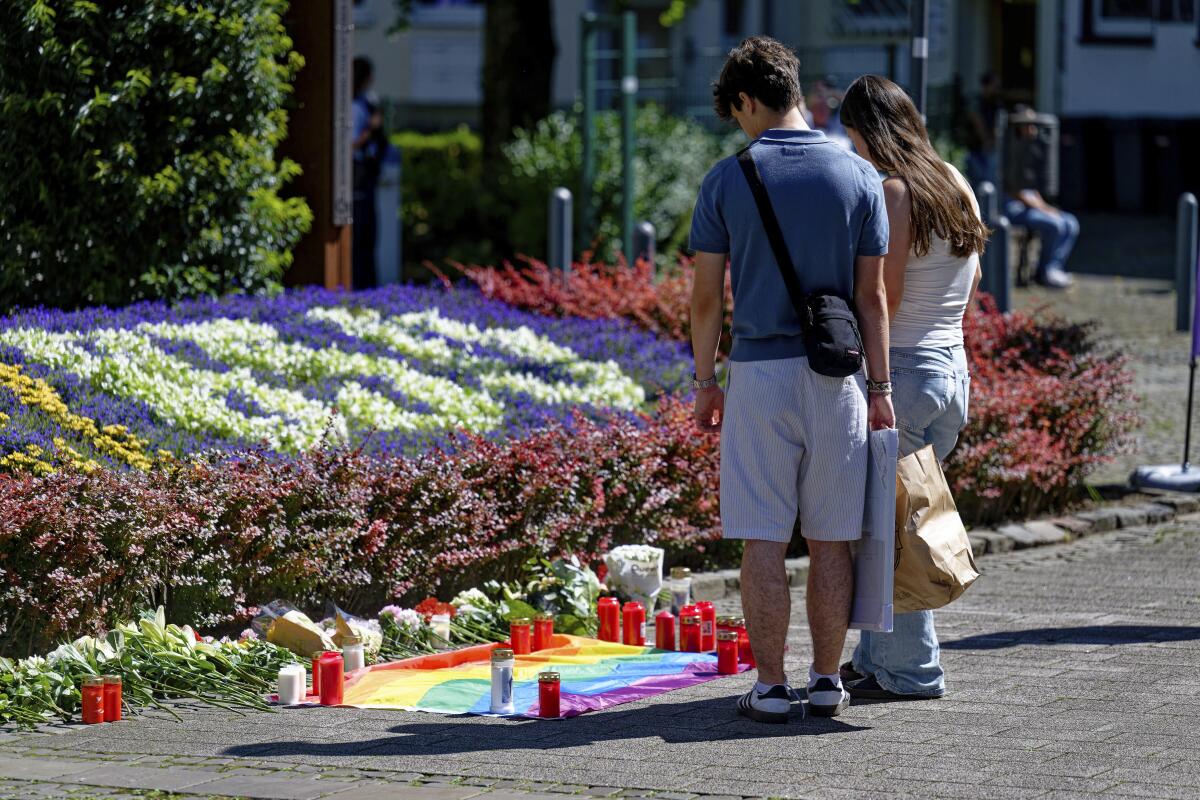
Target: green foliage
(671,157)
(951,151)
(137,145)
(440,195)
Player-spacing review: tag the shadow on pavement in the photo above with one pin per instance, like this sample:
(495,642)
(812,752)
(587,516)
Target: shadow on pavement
(697,721)
(1088,634)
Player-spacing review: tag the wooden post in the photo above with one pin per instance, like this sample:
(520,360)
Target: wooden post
(319,139)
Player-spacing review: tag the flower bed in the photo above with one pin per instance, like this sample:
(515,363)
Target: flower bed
(213,539)
(403,368)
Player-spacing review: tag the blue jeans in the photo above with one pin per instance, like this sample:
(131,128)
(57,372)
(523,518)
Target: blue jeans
(931,390)
(1057,232)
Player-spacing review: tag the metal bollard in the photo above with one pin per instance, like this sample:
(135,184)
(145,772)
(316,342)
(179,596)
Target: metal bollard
(989,201)
(1185,261)
(645,243)
(1000,283)
(559,237)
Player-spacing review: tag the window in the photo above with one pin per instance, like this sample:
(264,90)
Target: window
(448,13)
(872,17)
(1132,21)
(1119,22)
(364,13)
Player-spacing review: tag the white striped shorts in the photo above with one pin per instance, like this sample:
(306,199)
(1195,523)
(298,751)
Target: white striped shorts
(793,446)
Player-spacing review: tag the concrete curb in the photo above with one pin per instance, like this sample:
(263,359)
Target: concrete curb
(1166,506)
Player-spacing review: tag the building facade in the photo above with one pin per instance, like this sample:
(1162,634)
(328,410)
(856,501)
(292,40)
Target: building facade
(1123,76)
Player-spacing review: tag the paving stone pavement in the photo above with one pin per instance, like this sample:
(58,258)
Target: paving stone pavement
(1073,671)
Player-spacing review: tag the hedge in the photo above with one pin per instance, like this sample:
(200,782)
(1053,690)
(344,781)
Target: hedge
(137,148)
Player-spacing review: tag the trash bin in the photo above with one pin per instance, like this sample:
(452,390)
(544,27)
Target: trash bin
(387,246)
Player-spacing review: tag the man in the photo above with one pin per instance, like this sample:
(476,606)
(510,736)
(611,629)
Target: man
(794,443)
(369,146)
(981,155)
(1056,229)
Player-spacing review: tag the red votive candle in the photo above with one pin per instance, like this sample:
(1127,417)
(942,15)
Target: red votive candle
(316,674)
(664,630)
(543,631)
(332,678)
(112,698)
(633,618)
(724,624)
(708,626)
(689,633)
(93,700)
(608,609)
(520,633)
(549,695)
(745,654)
(727,653)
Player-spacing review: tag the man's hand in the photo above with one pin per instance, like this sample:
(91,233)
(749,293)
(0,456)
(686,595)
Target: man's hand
(710,409)
(880,414)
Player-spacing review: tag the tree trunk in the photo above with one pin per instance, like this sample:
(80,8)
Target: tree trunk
(518,65)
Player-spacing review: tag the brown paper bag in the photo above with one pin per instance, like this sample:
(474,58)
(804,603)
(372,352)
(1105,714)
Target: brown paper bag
(934,562)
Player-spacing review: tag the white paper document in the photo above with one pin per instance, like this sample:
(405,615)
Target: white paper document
(875,557)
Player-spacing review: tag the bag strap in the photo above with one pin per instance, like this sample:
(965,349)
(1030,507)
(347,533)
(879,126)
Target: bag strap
(766,213)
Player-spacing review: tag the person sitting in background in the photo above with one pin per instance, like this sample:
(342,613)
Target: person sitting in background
(1025,206)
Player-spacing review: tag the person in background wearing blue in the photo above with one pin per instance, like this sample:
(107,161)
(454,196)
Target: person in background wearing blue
(981,152)
(369,147)
(1024,205)
(931,273)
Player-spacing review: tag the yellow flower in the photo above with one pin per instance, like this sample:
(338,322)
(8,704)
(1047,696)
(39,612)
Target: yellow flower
(113,440)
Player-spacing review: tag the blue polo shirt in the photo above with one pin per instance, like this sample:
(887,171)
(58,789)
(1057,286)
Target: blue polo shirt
(829,203)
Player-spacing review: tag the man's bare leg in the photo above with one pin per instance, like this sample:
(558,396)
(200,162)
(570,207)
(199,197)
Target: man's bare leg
(767,604)
(830,594)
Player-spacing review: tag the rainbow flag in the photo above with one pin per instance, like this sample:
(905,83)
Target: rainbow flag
(595,675)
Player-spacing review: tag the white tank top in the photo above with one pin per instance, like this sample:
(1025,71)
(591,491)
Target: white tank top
(936,289)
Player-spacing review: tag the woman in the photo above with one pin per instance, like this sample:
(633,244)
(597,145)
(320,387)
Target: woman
(931,273)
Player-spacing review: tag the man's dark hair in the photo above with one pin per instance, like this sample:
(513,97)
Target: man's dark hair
(762,68)
(363,70)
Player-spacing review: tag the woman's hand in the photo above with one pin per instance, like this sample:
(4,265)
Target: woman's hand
(880,414)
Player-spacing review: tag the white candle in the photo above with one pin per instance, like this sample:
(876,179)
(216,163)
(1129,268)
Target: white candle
(291,684)
(441,627)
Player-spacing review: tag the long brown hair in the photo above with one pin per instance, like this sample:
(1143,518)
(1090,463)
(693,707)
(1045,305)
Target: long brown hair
(885,117)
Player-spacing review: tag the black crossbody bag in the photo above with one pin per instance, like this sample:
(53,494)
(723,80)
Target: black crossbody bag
(828,323)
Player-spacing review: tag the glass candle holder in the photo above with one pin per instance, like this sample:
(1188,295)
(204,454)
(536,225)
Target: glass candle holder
(549,695)
(520,634)
(93,700)
(633,618)
(727,653)
(664,630)
(332,678)
(681,588)
(689,633)
(112,698)
(543,631)
(353,654)
(745,653)
(708,626)
(502,681)
(608,609)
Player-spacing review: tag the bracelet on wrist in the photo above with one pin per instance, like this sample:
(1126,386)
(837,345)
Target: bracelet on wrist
(707,383)
(879,387)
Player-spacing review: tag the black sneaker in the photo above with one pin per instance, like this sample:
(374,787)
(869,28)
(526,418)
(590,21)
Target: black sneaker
(827,699)
(849,673)
(869,689)
(770,706)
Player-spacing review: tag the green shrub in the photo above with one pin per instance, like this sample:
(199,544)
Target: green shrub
(671,157)
(137,149)
(440,206)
